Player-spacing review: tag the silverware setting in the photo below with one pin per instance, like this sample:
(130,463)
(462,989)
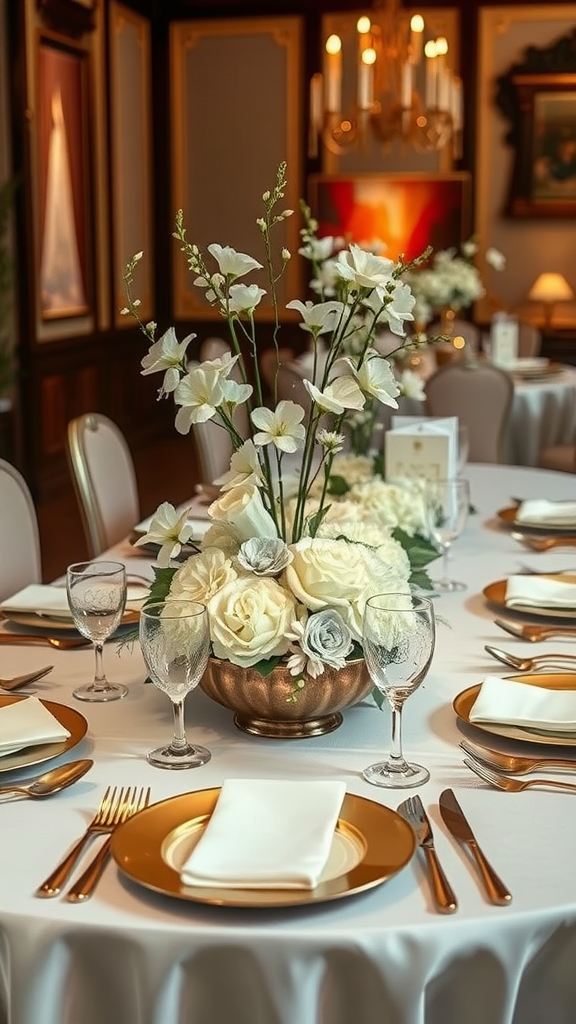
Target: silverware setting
(541,661)
(543,543)
(85,885)
(535,634)
(15,682)
(61,643)
(510,784)
(513,763)
(458,826)
(412,810)
(111,811)
(50,782)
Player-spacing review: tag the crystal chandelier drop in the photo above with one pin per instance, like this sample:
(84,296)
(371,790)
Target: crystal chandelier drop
(404,87)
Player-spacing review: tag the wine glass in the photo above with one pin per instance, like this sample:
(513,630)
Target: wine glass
(447,504)
(175,642)
(463,446)
(398,637)
(97,598)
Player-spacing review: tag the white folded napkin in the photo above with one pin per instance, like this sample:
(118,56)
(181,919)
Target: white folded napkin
(44,599)
(266,834)
(540,510)
(28,723)
(541,592)
(508,702)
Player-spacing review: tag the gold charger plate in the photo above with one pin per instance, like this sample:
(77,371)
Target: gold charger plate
(71,719)
(371,844)
(49,623)
(508,516)
(464,702)
(496,594)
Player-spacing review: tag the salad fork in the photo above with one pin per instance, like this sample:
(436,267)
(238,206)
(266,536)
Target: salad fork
(530,664)
(513,763)
(509,784)
(543,543)
(84,887)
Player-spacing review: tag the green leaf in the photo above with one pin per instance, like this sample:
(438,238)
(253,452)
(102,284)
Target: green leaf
(378,697)
(420,579)
(161,585)
(313,522)
(419,550)
(267,665)
(378,464)
(337,485)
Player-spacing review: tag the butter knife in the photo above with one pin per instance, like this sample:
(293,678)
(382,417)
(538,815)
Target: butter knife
(412,810)
(456,823)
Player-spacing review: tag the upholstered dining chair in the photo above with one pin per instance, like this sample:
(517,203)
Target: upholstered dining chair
(480,395)
(20,562)
(560,457)
(104,480)
(529,340)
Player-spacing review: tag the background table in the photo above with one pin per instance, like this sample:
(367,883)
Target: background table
(543,414)
(136,957)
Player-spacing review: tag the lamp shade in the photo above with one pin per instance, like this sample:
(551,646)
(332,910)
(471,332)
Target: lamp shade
(550,288)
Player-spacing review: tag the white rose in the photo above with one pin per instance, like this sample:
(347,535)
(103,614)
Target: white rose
(242,508)
(248,620)
(202,576)
(329,574)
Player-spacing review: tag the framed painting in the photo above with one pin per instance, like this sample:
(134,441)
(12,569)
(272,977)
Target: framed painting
(407,212)
(64,230)
(544,174)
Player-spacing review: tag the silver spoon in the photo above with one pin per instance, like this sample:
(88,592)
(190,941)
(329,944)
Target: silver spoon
(52,781)
(527,664)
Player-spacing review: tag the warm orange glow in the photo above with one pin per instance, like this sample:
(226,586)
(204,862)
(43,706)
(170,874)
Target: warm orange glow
(333,44)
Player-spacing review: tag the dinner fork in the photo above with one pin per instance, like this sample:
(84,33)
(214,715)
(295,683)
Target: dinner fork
(540,662)
(508,783)
(106,818)
(543,543)
(84,887)
(513,763)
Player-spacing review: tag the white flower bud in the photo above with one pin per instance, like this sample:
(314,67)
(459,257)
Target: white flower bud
(286,254)
(266,196)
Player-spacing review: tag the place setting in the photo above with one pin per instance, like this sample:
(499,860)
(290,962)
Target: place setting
(548,596)
(540,515)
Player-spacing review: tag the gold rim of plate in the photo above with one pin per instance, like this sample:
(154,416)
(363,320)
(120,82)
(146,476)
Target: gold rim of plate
(464,701)
(372,844)
(29,756)
(508,516)
(496,594)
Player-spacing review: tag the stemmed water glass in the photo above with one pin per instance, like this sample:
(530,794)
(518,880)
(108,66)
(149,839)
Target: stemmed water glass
(447,504)
(398,637)
(175,642)
(97,598)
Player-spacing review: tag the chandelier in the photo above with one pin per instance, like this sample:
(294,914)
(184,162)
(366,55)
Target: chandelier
(404,87)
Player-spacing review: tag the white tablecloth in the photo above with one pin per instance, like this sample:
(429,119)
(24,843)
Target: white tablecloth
(130,956)
(543,415)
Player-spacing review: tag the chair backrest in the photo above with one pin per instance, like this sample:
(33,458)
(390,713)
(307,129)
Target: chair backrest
(104,480)
(290,385)
(20,562)
(269,361)
(529,340)
(481,396)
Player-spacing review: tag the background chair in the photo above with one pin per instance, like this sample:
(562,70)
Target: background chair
(529,340)
(104,480)
(560,457)
(480,395)
(20,562)
(213,443)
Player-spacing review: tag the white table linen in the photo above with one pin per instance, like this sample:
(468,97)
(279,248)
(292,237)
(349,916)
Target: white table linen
(135,956)
(543,415)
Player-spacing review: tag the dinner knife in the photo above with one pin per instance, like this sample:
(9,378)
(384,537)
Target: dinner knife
(457,824)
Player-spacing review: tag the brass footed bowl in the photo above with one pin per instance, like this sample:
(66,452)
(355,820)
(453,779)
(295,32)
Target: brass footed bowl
(261,705)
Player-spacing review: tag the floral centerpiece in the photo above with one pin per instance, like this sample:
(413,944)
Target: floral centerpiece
(284,569)
(452,280)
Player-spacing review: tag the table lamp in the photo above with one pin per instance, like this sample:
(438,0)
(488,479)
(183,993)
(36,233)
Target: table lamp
(550,288)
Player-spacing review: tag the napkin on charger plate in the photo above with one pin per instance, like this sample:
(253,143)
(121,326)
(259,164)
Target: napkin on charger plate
(540,510)
(541,591)
(266,834)
(28,723)
(44,599)
(507,702)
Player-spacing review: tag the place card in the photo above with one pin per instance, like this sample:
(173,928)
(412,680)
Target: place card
(504,341)
(425,447)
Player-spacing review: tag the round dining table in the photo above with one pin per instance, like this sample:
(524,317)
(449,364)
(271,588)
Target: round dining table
(132,955)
